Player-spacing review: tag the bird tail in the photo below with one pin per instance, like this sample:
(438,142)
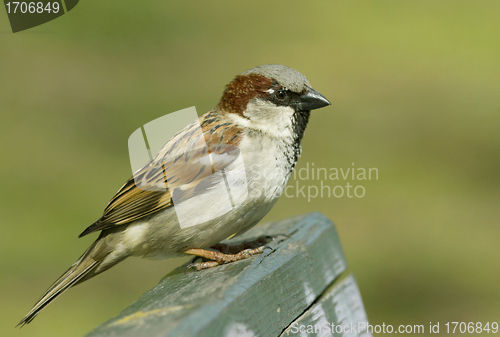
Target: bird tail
(84,266)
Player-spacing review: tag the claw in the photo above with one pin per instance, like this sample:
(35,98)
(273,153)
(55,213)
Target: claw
(243,250)
(281,237)
(189,266)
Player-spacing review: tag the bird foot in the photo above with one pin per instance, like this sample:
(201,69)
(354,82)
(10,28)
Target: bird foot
(218,258)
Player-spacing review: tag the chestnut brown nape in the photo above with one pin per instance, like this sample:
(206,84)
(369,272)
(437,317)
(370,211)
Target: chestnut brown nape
(241,90)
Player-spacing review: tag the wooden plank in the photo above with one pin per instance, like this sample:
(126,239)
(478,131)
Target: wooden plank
(260,296)
(338,312)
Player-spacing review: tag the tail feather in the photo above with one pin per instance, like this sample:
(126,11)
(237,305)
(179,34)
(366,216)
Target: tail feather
(81,268)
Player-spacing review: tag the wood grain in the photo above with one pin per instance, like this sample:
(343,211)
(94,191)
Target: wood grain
(261,296)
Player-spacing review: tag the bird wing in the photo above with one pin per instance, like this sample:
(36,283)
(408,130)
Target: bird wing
(189,158)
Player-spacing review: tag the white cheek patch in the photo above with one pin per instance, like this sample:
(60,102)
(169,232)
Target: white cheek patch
(270,118)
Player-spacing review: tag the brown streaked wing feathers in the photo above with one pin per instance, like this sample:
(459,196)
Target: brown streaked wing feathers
(180,163)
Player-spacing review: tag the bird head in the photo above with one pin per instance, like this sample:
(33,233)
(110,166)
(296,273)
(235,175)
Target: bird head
(271,98)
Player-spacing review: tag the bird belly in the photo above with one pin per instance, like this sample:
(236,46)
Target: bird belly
(243,194)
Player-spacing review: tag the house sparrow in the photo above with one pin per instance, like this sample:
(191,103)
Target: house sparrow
(243,151)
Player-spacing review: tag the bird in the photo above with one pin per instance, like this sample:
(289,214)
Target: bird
(244,151)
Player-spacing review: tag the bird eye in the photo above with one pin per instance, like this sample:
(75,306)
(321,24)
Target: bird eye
(281,94)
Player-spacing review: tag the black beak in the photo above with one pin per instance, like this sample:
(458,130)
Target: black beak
(310,100)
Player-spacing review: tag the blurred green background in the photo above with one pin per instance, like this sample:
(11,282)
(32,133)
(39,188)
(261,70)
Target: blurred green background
(415,92)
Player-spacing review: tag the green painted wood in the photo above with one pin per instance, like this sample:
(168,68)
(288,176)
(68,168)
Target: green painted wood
(337,312)
(260,296)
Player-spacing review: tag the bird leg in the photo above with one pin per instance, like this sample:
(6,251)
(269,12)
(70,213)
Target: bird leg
(218,258)
(227,253)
